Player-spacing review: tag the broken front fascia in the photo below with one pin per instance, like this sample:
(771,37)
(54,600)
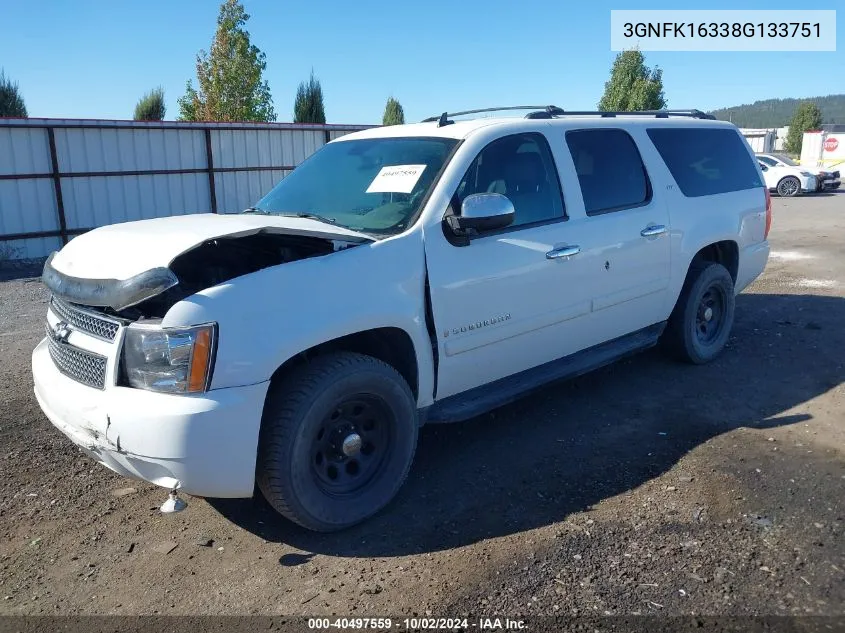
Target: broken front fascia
(117,294)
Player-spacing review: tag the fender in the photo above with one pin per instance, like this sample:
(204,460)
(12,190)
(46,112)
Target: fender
(268,317)
(699,222)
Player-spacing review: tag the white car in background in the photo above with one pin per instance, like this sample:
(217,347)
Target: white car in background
(787,181)
(826,180)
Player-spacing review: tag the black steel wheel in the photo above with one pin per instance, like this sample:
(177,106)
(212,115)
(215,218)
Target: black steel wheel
(351,445)
(337,440)
(700,325)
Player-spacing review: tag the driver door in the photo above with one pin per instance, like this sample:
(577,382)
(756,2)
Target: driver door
(504,303)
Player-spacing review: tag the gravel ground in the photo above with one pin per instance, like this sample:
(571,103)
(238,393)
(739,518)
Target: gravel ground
(645,488)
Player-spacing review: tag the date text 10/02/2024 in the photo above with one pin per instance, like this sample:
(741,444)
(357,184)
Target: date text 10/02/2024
(417,624)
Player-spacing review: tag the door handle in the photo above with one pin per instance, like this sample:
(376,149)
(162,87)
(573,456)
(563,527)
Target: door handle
(653,230)
(563,252)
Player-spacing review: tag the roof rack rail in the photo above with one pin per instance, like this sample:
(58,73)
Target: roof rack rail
(660,114)
(443,119)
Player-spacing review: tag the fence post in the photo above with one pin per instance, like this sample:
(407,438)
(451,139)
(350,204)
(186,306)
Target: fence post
(209,160)
(57,185)
(327,135)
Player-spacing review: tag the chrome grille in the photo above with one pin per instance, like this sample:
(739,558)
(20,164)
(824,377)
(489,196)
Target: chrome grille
(93,324)
(78,364)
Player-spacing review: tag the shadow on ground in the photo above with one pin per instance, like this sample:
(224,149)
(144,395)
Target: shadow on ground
(573,444)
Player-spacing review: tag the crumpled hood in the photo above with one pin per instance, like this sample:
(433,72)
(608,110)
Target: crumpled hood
(121,251)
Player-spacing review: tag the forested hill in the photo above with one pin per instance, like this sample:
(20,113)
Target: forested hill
(778,112)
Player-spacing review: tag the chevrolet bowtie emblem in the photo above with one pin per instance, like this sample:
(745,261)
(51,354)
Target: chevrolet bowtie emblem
(61,333)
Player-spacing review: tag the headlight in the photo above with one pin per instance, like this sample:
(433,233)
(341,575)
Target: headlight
(806,174)
(172,360)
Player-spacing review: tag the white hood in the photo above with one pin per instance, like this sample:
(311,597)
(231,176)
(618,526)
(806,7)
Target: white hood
(121,251)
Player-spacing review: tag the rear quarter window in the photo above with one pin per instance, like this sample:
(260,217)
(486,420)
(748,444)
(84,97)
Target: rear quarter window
(706,161)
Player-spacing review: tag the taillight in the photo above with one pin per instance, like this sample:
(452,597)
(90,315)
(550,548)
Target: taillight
(768,212)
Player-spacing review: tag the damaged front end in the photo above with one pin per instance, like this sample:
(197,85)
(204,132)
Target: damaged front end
(149,294)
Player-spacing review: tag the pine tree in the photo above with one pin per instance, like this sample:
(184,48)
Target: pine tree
(11,102)
(308,106)
(393,113)
(230,86)
(633,85)
(807,116)
(151,106)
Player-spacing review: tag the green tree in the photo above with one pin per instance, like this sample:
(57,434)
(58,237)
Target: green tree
(11,102)
(230,86)
(632,85)
(807,116)
(308,106)
(393,113)
(151,106)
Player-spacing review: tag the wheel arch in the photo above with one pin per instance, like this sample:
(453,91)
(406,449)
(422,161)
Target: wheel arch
(391,345)
(724,252)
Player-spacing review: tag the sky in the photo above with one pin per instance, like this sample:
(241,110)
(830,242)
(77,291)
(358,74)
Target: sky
(95,59)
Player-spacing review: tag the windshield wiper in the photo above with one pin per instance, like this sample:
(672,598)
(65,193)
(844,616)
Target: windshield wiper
(311,216)
(255,210)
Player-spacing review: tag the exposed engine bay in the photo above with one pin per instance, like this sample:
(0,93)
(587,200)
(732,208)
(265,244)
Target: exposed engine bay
(221,259)
(225,258)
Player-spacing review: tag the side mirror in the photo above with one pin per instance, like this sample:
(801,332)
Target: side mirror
(482,212)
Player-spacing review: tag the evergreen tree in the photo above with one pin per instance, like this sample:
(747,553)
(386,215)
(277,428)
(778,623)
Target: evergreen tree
(807,116)
(393,113)
(230,86)
(633,85)
(151,106)
(308,106)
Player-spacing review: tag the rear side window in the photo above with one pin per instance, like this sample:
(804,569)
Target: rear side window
(610,171)
(706,161)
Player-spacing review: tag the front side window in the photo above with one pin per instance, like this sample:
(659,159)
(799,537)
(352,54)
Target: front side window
(519,167)
(771,162)
(375,186)
(610,171)
(706,161)
(786,160)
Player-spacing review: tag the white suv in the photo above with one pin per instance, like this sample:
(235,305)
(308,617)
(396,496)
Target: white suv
(401,275)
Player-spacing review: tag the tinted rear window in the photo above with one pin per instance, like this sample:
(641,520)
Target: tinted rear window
(706,161)
(610,171)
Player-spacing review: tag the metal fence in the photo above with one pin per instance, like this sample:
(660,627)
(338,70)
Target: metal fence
(60,178)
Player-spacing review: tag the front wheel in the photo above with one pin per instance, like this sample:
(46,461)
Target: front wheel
(789,187)
(701,322)
(337,440)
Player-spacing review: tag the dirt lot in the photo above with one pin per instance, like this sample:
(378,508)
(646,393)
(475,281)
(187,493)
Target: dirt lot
(647,487)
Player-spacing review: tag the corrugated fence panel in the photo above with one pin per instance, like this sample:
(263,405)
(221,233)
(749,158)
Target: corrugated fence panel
(247,161)
(237,190)
(30,248)
(254,148)
(95,201)
(333,134)
(104,149)
(24,151)
(27,205)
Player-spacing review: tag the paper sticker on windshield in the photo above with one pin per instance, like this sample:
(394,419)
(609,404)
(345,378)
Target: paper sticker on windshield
(396,179)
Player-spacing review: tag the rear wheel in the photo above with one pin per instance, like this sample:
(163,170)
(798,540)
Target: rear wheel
(337,440)
(701,322)
(789,187)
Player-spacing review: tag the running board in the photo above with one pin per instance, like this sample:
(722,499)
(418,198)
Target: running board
(474,402)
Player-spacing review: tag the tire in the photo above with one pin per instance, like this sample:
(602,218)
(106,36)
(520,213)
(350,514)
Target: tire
(789,187)
(337,440)
(693,334)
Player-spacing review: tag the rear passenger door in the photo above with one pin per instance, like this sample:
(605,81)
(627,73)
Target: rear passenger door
(625,231)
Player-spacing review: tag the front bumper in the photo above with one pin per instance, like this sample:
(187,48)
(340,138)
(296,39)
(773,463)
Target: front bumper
(204,444)
(831,185)
(809,184)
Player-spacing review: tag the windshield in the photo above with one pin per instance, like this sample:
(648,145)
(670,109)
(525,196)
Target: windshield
(374,185)
(786,160)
